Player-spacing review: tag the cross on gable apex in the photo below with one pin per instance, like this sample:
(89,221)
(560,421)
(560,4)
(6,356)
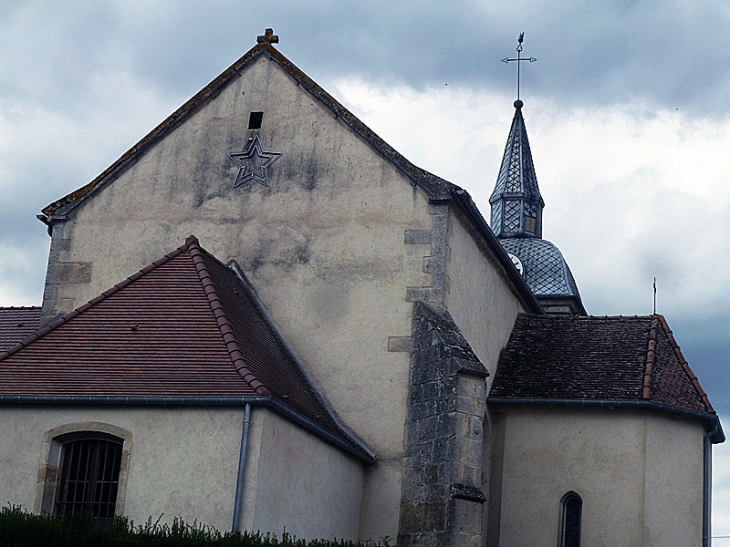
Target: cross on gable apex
(268,37)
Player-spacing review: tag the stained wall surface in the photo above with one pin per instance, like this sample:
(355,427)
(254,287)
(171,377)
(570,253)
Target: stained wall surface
(479,298)
(184,463)
(173,453)
(624,465)
(296,481)
(323,246)
(337,247)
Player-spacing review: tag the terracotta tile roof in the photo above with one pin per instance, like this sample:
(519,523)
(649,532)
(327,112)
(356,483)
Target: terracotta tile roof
(596,359)
(17,323)
(185,328)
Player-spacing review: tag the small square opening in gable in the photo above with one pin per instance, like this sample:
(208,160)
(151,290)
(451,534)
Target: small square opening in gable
(255,119)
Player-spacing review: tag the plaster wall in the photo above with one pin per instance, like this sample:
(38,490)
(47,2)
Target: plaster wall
(479,297)
(297,482)
(183,462)
(639,475)
(674,466)
(323,246)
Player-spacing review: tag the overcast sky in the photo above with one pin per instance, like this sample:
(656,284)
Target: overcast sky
(626,111)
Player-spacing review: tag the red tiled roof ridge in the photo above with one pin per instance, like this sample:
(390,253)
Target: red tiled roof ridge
(53,325)
(428,181)
(650,360)
(584,317)
(234,350)
(20,307)
(685,365)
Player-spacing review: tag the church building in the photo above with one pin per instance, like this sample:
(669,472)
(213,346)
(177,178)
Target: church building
(263,317)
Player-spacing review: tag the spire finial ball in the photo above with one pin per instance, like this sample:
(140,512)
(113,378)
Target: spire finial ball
(518,104)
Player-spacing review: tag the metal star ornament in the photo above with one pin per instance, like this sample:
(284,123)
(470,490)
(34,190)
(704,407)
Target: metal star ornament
(253,163)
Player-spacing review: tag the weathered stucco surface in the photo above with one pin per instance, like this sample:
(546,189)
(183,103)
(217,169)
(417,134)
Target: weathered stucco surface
(295,481)
(164,469)
(183,462)
(624,465)
(674,472)
(479,299)
(323,246)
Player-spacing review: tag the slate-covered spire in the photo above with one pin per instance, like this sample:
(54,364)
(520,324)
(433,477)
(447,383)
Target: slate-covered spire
(516,201)
(517,222)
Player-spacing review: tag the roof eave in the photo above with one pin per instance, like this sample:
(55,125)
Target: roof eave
(711,419)
(349,445)
(241,276)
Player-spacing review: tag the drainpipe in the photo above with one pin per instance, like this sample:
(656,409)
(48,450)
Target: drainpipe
(706,478)
(236,527)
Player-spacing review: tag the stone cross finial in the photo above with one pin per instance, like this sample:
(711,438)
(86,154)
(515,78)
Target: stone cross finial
(268,38)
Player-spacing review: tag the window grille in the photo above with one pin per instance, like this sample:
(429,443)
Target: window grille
(89,478)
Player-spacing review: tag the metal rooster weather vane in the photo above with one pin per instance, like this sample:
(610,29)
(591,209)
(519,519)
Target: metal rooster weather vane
(519,60)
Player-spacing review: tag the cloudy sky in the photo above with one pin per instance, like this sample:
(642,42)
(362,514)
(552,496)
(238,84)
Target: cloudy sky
(626,110)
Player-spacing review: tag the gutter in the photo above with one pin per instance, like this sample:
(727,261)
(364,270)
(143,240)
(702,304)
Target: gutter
(715,434)
(463,200)
(352,447)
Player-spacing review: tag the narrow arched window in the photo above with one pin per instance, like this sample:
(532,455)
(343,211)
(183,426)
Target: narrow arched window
(570,520)
(89,476)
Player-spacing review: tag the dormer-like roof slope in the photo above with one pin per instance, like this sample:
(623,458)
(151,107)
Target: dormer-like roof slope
(434,186)
(185,330)
(632,360)
(17,323)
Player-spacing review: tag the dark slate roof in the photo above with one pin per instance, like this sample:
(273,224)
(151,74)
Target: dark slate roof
(545,269)
(614,359)
(517,173)
(434,186)
(184,330)
(17,323)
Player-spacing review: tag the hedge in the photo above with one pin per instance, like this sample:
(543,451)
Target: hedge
(18,528)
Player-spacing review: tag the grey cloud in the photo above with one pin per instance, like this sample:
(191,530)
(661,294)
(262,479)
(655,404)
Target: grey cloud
(55,56)
(589,52)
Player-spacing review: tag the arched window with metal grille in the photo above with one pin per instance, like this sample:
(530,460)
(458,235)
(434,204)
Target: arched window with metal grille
(89,476)
(571,515)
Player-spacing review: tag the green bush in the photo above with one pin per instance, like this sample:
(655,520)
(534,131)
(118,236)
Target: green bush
(19,528)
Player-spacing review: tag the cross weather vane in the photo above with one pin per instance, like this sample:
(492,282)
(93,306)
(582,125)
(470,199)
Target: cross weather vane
(518,60)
